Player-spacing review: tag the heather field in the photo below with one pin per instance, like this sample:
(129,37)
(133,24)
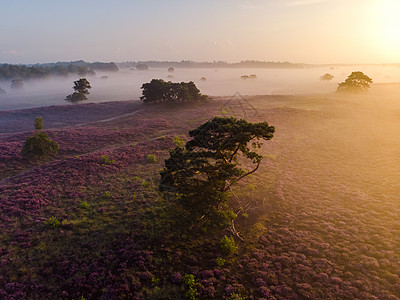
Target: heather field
(321,221)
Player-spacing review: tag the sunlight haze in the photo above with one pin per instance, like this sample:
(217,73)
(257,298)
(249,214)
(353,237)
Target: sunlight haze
(304,31)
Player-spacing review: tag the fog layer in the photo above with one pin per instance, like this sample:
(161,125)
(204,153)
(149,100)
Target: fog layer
(125,84)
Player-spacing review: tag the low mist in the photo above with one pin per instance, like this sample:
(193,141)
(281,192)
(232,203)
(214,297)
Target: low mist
(125,84)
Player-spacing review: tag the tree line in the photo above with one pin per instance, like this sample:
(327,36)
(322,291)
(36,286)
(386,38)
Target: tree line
(9,71)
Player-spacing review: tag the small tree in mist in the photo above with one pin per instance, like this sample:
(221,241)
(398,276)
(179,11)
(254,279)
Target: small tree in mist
(326,77)
(38,123)
(81,88)
(39,145)
(199,174)
(356,82)
(17,83)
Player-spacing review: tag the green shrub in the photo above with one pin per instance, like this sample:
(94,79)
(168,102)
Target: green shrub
(152,158)
(105,160)
(53,222)
(39,145)
(190,282)
(220,262)
(228,246)
(84,205)
(179,141)
(234,296)
(107,195)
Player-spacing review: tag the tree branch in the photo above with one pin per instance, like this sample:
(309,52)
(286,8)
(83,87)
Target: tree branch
(241,177)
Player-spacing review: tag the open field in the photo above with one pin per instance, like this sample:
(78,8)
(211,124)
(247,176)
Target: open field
(323,209)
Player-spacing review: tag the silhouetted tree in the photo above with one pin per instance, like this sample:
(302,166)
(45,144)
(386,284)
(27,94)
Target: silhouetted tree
(17,83)
(159,90)
(355,82)
(199,174)
(326,77)
(81,88)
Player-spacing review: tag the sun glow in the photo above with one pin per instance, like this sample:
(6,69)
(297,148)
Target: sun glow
(389,25)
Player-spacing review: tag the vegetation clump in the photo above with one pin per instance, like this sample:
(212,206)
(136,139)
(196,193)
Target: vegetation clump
(158,90)
(326,77)
(356,82)
(228,246)
(17,83)
(152,158)
(81,88)
(39,145)
(200,174)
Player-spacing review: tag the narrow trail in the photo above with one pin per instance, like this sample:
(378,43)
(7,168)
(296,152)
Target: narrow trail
(106,120)
(112,147)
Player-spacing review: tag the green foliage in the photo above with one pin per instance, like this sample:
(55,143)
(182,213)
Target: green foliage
(228,246)
(105,160)
(39,146)
(191,285)
(38,123)
(234,296)
(84,205)
(107,195)
(355,82)
(53,222)
(179,141)
(81,88)
(158,90)
(220,262)
(199,175)
(152,158)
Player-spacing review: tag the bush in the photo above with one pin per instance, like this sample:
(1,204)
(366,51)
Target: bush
(105,160)
(152,158)
(39,146)
(84,205)
(228,246)
(179,141)
(53,222)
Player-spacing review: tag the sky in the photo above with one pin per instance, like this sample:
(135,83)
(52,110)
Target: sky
(299,31)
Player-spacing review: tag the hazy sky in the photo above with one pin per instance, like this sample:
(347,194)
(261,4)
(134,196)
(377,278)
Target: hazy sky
(309,31)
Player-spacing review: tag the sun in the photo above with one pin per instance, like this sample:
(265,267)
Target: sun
(389,24)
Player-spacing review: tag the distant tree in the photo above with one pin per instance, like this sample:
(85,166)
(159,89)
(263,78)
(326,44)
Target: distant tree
(81,88)
(199,174)
(159,90)
(2,91)
(355,82)
(38,123)
(326,77)
(17,83)
(142,67)
(39,145)
(171,69)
